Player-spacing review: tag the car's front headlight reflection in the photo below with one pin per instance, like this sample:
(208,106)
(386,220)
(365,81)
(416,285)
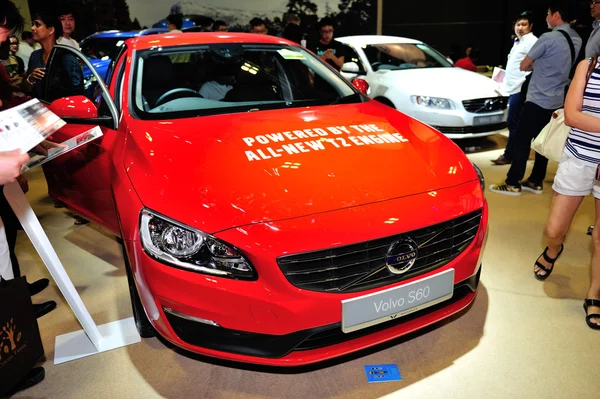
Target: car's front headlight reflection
(176,244)
(433,102)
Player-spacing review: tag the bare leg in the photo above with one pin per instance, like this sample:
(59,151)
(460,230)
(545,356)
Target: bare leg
(594,291)
(559,221)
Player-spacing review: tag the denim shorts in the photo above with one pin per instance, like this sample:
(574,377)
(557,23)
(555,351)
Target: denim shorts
(575,178)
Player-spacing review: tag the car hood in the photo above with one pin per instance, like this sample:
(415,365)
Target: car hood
(220,172)
(455,83)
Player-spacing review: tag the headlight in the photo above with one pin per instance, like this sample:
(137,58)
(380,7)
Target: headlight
(480,175)
(178,245)
(433,102)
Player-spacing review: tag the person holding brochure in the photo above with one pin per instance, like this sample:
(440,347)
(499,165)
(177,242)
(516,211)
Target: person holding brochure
(10,168)
(514,79)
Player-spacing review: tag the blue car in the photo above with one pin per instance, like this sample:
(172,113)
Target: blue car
(102,47)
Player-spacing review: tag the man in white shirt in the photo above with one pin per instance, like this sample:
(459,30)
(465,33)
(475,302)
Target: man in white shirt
(68,24)
(514,79)
(27,47)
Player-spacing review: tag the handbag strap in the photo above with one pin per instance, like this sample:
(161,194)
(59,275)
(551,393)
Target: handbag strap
(571,46)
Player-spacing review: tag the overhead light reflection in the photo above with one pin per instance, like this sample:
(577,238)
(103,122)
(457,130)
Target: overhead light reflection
(291,165)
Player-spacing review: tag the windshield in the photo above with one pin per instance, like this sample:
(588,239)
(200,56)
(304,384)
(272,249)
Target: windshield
(227,78)
(397,56)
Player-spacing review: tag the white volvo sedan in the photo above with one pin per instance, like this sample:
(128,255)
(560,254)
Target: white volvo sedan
(417,80)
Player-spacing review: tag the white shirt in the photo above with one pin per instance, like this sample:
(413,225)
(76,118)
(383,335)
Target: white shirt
(214,91)
(514,76)
(25,51)
(68,42)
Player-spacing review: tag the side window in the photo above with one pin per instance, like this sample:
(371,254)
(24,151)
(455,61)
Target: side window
(352,56)
(67,75)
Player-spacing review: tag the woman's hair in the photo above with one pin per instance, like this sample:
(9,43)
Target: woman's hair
(10,17)
(51,21)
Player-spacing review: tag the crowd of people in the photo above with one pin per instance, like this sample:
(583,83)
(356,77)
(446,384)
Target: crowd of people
(538,75)
(323,46)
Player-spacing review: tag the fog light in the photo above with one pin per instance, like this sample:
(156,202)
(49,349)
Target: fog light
(191,318)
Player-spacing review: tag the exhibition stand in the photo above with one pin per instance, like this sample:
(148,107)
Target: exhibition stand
(92,339)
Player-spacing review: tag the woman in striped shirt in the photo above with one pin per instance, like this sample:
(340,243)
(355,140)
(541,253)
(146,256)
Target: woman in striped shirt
(576,177)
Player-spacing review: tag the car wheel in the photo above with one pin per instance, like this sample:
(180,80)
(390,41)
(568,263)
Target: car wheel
(142,323)
(385,101)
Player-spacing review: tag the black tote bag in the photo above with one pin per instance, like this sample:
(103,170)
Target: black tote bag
(20,342)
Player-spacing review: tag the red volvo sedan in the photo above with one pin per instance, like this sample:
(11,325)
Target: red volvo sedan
(269,211)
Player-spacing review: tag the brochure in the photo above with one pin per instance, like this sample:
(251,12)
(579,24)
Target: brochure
(26,125)
(71,144)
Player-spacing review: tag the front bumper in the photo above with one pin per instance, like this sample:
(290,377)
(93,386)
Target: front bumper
(460,124)
(278,346)
(271,322)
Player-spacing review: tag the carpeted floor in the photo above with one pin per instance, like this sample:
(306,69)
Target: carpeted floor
(521,338)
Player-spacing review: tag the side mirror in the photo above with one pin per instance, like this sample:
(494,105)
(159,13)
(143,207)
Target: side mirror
(361,85)
(350,67)
(74,107)
(450,60)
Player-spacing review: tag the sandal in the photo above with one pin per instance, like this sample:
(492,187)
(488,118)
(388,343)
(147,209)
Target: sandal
(544,268)
(588,318)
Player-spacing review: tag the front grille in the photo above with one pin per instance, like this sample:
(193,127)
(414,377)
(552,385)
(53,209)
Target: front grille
(482,105)
(362,266)
(470,129)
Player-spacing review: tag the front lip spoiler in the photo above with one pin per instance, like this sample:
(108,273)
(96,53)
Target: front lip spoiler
(277,346)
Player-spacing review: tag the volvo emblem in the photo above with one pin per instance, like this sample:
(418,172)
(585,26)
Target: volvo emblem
(489,104)
(401,256)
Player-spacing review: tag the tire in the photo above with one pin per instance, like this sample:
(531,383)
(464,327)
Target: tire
(385,101)
(143,325)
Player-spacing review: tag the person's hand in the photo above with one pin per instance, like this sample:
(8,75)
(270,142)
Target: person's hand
(44,146)
(328,54)
(10,165)
(37,74)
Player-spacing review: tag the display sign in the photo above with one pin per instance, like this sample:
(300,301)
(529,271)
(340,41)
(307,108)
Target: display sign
(382,373)
(371,309)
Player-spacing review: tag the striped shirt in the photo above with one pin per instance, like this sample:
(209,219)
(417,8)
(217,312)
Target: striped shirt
(585,145)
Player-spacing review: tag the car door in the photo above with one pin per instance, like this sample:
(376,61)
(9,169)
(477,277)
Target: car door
(81,178)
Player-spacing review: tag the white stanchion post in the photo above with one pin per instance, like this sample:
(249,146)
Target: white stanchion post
(78,344)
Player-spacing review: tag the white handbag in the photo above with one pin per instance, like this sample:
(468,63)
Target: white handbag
(553,137)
